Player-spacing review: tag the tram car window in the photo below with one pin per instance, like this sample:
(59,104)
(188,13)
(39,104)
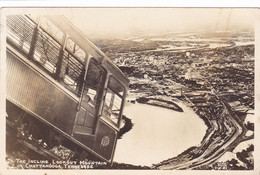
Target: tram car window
(113,100)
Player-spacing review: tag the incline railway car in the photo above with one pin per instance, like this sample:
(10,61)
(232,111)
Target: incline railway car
(63,93)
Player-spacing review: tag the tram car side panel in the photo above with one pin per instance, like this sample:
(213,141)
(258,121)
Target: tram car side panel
(37,95)
(105,140)
(33,93)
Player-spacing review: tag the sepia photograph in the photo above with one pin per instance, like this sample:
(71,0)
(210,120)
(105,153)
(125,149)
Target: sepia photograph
(158,89)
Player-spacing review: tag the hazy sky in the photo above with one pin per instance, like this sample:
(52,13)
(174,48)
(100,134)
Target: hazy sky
(122,21)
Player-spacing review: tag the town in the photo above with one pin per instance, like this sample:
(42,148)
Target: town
(208,71)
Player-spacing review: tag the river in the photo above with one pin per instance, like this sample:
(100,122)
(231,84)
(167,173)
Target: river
(158,134)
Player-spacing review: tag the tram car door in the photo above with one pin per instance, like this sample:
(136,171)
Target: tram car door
(92,86)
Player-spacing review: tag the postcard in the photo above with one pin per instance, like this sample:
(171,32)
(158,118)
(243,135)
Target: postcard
(136,90)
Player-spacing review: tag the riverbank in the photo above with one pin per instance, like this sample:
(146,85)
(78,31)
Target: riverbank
(157,134)
(160,102)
